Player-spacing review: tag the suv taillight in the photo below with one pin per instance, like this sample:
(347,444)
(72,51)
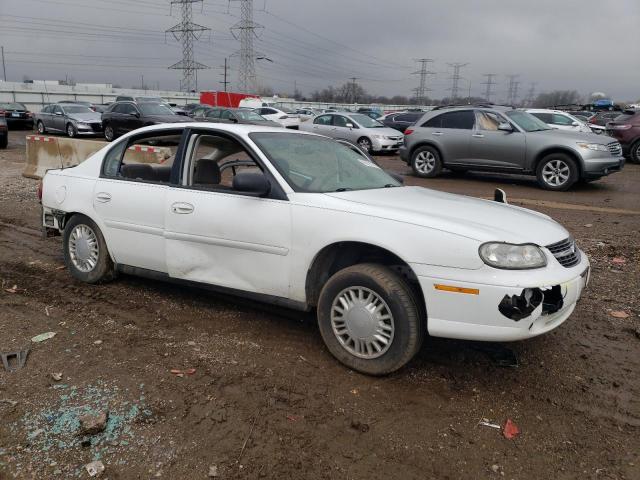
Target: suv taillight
(408,131)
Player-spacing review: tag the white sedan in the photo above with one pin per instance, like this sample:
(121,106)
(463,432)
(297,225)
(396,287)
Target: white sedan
(301,220)
(285,117)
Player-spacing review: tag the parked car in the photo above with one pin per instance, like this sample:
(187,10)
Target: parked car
(602,118)
(122,117)
(306,113)
(626,129)
(16,114)
(559,119)
(198,113)
(284,116)
(68,118)
(236,115)
(190,107)
(101,107)
(503,139)
(4,133)
(402,120)
(302,221)
(369,134)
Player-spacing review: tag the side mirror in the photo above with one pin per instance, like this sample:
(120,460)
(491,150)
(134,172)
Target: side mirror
(58,113)
(505,127)
(254,184)
(349,125)
(137,114)
(575,124)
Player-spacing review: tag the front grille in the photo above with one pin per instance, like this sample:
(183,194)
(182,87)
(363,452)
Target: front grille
(614,148)
(96,127)
(566,252)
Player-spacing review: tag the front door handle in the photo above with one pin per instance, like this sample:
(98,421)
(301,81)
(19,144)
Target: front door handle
(436,133)
(103,197)
(182,208)
(477,135)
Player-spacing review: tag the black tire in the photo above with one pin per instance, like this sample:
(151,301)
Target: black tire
(408,323)
(365,144)
(71,130)
(40,127)
(4,141)
(634,152)
(103,270)
(426,162)
(109,133)
(557,172)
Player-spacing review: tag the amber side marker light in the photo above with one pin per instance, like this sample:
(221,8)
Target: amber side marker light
(450,288)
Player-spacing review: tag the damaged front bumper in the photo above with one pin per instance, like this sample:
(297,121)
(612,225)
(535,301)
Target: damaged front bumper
(516,304)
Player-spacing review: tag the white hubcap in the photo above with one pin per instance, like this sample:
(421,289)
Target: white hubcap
(556,173)
(362,322)
(425,162)
(83,248)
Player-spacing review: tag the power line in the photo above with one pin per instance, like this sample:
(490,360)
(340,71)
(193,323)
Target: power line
(489,83)
(512,94)
(422,89)
(531,94)
(245,31)
(187,32)
(455,78)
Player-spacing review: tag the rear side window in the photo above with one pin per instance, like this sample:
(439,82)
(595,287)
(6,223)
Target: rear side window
(323,120)
(463,120)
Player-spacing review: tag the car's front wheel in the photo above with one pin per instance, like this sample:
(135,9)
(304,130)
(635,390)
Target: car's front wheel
(635,152)
(40,127)
(369,319)
(109,133)
(71,130)
(426,162)
(365,144)
(85,251)
(557,171)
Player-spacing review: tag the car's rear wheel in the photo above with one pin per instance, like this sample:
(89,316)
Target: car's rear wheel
(426,162)
(557,171)
(71,130)
(85,251)
(365,144)
(109,133)
(634,152)
(40,127)
(369,319)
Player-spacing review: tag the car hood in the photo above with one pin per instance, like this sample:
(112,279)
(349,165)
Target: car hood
(478,219)
(168,118)
(86,117)
(573,135)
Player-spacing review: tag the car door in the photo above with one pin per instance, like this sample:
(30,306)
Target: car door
(220,236)
(130,197)
(495,148)
(451,131)
(322,125)
(132,117)
(57,119)
(45,116)
(343,127)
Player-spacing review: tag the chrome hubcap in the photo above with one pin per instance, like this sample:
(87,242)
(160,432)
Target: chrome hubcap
(362,322)
(425,162)
(70,131)
(40,127)
(556,173)
(83,248)
(108,132)
(365,144)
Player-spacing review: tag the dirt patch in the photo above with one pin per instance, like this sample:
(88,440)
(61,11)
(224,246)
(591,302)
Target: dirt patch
(266,399)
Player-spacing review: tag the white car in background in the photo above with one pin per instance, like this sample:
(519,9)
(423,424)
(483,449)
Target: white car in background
(560,120)
(307,113)
(303,221)
(282,115)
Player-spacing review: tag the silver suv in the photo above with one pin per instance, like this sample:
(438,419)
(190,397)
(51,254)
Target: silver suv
(503,139)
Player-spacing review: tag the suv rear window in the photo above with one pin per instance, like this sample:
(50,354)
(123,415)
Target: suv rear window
(463,120)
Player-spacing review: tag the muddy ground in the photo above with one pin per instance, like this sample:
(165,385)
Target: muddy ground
(268,401)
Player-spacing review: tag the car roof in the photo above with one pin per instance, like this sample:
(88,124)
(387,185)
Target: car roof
(546,110)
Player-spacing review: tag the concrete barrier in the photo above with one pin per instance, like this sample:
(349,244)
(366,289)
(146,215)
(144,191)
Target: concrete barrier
(47,152)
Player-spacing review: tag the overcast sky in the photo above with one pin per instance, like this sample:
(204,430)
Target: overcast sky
(588,45)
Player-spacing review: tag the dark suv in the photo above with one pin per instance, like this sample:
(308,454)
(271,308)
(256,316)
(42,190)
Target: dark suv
(122,117)
(503,139)
(626,129)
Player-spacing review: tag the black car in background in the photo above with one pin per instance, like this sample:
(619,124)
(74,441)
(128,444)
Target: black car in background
(236,115)
(122,117)
(16,115)
(403,120)
(4,133)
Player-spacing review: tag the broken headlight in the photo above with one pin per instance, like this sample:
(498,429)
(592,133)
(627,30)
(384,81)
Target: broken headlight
(512,257)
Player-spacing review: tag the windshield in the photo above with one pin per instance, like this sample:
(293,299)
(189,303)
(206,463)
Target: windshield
(155,109)
(250,115)
(77,109)
(526,121)
(316,164)
(365,121)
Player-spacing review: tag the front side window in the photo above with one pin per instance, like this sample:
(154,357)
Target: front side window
(489,121)
(366,122)
(213,113)
(340,121)
(316,164)
(148,159)
(57,109)
(249,115)
(558,119)
(154,109)
(526,121)
(226,115)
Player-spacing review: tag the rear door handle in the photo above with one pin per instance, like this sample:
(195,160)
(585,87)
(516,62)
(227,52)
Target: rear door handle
(436,133)
(103,197)
(182,208)
(477,135)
